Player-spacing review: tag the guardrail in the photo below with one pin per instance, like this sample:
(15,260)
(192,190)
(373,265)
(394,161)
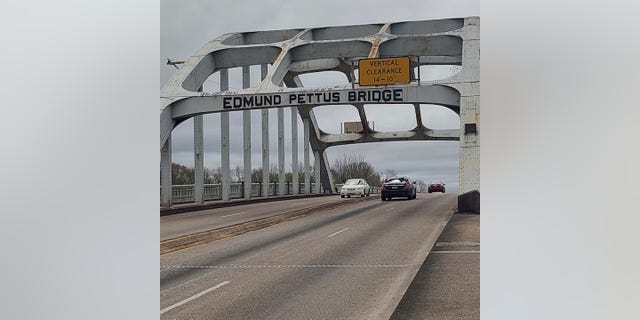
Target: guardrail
(184,193)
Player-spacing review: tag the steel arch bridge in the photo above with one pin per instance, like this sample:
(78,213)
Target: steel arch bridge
(283,55)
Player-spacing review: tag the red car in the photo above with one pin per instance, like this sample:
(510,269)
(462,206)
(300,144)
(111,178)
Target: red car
(436,187)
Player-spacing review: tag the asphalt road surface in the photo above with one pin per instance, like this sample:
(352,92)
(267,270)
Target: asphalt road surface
(172,226)
(352,262)
(448,283)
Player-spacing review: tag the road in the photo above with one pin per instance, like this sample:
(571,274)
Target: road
(352,262)
(176,225)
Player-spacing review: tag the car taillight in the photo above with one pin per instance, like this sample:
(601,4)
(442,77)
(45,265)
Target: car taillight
(406,186)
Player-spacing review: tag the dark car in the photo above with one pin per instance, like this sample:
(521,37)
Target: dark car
(436,187)
(398,187)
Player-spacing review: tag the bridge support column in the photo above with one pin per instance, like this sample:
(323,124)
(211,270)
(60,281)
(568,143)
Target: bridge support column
(198,158)
(281,186)
(325,174)
(469,185)
(246,121)
(294,150)
(165,174)
(265,142)
(316,170)
(224,141)
(307,171)
(469,175)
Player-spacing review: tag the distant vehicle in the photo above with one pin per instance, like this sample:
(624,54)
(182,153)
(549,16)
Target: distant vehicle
(436,187)
(398,187)
(356,187)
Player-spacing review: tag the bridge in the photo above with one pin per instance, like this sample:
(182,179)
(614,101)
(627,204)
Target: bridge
(262,250)
(284,55)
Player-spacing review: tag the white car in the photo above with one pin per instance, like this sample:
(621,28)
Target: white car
(356,187)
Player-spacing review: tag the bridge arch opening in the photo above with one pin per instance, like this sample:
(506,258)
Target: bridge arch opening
(439,117)
(260,37)
(391,117)
(331,118)
(430,72)
(212,83)
(441,48)
(425,26)
(323,79)
(228,58)
(343,32)
(331,50)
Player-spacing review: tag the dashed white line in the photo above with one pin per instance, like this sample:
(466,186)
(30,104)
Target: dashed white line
(337,232)
(196,296)
(233,214)
(389,209)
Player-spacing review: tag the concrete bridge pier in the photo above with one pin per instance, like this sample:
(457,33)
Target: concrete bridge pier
(323,173)
(469,174)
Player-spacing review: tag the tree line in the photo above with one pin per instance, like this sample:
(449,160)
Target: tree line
(344,168)
(181,174)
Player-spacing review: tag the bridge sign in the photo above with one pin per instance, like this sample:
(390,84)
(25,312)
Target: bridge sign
(381,71)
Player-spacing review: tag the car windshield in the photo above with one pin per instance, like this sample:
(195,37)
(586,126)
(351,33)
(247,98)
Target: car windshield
(351,182)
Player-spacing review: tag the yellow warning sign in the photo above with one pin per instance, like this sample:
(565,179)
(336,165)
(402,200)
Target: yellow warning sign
(381,71)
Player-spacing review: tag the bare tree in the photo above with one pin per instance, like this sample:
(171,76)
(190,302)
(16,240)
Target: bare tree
(354,166)
(421,186)
(181,174)
(237,174)
(389,173)
(212,175)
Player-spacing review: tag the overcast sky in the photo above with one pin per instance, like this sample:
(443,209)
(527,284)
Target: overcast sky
(186,26)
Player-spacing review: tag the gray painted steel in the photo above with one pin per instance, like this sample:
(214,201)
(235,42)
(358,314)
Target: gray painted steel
(316,170)
(224,141)
(307,164)
(294,150)
(298,51)
(265,140)
(281,186)
(246,136)
(165,174)
(198,155)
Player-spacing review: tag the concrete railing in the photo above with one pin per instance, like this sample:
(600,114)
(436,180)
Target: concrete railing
(184,193)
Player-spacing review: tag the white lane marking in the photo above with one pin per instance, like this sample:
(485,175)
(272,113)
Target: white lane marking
(335,233)
(233,214)
(193,297)
(455,252)
(389,209)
